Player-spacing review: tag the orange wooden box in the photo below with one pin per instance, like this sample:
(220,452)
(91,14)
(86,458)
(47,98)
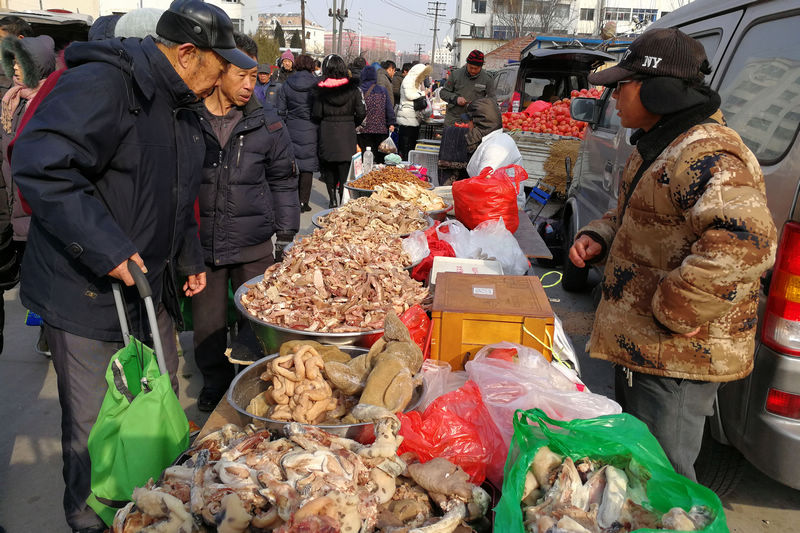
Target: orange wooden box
(473,310)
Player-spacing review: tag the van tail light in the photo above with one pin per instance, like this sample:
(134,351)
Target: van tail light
(783,403)
(781,330)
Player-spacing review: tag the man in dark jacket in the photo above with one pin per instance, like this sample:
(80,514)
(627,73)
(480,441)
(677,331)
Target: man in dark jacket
(263,76)
(110,165)
(249,156)
(464,85)
(397,81)
(385,75)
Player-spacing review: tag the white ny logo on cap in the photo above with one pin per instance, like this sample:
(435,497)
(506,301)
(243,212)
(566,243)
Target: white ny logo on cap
(650,61)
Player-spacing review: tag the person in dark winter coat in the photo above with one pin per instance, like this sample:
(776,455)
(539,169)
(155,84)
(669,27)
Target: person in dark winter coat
(380,113)
(30,60)
(397,81)
(286,66)
(295,100)
(356,66)
(110,164)
(385,75)
(249,156)
(263,76)
(339,108)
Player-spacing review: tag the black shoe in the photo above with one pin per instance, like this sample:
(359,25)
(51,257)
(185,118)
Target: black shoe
(208,399)
(332,204)
(305,208)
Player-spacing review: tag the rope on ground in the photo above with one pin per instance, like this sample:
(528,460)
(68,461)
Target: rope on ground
(557,273)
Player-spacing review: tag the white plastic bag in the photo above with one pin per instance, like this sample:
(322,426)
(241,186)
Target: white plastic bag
(493,241)
(416,246)
(439,379)
(531,381)
(458,236)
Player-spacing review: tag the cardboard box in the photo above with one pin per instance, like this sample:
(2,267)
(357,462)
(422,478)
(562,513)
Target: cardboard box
(473,310)
(464,266)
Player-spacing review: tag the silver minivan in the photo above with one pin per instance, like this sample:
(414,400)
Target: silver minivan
(754,47)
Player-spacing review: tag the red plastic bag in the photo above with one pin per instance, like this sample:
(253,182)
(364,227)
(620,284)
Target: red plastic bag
(458,427)
(489,196)
(418,323)
(438,248)
(538,105)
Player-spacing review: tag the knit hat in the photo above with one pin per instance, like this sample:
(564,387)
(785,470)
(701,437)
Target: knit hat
(138,23)
(475,58)
(287,55)
(659,52)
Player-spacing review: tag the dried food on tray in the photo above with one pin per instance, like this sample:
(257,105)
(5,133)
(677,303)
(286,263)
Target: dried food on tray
(387,174)
(425,199)
(238,480)
(310,388)
(336,281)
(394,218)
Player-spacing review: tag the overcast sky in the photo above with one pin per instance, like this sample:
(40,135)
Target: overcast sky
(403,20)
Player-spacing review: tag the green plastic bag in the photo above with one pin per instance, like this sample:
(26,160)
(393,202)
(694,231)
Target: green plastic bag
(138,433)
(613,439)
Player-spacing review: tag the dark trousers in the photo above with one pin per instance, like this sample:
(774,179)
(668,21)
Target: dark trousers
(210,318)
(674,410)
(304,186)
(408,140)
(373,140)
(80,365)
(335,175)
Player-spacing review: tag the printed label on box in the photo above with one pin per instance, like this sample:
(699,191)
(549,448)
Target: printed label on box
(483,292)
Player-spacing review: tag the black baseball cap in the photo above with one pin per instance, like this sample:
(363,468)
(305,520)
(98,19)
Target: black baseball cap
(658,52)
(205,26)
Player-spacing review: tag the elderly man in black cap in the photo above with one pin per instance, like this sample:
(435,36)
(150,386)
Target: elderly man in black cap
(464,85)
(110,165)
(684,248)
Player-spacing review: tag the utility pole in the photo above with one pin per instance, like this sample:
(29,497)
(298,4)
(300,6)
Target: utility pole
(419,52)
(435,8)
(332,14)
(360,28)
(340,16)
(303,24)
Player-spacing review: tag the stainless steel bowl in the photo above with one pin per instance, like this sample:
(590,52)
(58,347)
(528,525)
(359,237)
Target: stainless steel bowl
(271,336)
(408,268)
(358,193)
(439,214)
(248,384)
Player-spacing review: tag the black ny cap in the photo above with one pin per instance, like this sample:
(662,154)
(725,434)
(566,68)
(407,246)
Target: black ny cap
(205,26)
(658,52)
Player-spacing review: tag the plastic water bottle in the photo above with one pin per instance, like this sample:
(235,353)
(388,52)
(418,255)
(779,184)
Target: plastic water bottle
(368,160)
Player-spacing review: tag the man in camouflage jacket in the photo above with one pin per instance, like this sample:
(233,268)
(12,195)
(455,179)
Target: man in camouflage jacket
(684,248)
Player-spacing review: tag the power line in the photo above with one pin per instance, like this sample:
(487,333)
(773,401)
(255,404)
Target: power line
(438,9)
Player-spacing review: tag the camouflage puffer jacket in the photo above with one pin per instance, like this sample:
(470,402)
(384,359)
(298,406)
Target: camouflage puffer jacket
(694,240)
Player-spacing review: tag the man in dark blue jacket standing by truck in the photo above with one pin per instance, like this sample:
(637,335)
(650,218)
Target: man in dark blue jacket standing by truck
(110,165)
(248,194)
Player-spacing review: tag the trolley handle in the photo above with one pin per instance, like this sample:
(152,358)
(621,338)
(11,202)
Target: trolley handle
(140,280)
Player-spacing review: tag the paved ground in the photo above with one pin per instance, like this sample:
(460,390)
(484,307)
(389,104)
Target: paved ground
(30,462)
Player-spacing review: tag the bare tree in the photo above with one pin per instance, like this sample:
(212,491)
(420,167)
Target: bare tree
(522,16)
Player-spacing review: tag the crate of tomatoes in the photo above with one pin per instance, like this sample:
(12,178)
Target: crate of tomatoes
(555,119)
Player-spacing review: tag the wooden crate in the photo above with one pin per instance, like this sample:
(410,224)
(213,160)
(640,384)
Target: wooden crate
(472,310)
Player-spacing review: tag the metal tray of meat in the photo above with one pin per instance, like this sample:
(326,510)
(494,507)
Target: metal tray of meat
(271,336)
(408,268)
(359,193)
(248,384)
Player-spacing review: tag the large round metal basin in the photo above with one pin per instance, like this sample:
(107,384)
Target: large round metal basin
(248,384)
(271,336)
(429,222)
(359,193)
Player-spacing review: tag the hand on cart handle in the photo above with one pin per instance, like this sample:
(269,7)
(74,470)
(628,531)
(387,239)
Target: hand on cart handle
(195,284)
(122,273)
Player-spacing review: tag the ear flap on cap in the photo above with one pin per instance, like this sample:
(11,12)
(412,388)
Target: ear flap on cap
(664,95)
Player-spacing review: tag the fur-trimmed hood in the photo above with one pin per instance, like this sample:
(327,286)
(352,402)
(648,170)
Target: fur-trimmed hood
(35,55)
(336,90)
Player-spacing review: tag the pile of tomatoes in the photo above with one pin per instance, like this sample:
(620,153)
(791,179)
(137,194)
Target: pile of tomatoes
(556,119)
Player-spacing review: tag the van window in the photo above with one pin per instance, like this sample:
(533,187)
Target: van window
(710,42)
(534,88)
(609,120)
(761,88)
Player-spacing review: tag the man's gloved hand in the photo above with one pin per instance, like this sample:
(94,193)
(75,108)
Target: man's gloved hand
(282,240)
